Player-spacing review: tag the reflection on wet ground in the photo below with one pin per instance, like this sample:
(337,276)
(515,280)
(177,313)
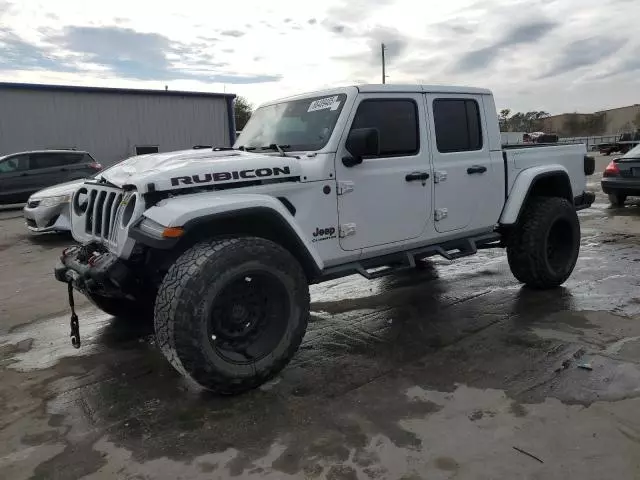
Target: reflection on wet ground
(437,373)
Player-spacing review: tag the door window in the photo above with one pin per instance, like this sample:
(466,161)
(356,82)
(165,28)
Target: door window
(72,158)
(14,164)
(144,150)
(396,122)
(52,160)
(457,123)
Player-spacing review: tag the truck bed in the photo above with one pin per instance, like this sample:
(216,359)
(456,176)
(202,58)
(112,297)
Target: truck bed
(569,156)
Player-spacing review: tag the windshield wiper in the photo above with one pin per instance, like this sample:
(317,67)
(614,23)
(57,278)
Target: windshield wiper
(278,148)
(273,146)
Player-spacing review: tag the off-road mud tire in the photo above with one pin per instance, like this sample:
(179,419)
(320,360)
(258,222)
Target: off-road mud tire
(186,297)
(545,222)
(617,199)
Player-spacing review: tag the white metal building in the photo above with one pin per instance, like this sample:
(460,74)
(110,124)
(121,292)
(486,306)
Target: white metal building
(111,123)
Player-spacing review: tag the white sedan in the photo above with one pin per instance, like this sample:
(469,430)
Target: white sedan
(48,210)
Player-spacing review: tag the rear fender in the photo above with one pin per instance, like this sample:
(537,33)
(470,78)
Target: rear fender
(524,186)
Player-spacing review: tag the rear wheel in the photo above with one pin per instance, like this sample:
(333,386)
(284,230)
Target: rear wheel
(231,313)
(543,248)
(617,199)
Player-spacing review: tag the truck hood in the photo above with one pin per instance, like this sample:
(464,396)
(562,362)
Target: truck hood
(202,167)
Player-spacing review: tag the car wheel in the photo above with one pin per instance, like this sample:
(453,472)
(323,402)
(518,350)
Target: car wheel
(543,248)
(617,199)
(231,313)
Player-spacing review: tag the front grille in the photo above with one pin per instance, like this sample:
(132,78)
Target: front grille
(33,203)
(104,212)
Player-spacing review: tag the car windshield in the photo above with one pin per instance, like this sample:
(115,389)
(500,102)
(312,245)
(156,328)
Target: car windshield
(633,153)
(295,125)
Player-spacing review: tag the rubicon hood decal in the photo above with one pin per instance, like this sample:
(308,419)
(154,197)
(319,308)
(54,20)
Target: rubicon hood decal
(233,175)
(169,171)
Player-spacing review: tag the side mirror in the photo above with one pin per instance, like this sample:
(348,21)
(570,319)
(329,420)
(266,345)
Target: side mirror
(361,142)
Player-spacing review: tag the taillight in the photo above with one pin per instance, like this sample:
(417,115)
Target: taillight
(612,170)
(95,166)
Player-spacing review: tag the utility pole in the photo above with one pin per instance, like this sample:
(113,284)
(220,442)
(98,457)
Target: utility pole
(384,75)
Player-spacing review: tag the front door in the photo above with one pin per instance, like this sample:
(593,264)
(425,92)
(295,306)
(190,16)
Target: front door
(15,182)
(386,198)
(467,183)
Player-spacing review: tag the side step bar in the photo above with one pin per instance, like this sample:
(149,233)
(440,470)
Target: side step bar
(381,266)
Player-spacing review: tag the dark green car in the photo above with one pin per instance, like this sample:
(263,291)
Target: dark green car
(24,173)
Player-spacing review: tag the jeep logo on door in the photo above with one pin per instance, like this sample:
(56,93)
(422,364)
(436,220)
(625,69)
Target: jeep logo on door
(232,175)
(324,234)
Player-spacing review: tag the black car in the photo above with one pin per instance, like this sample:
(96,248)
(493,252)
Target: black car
(24,173)
(621,178)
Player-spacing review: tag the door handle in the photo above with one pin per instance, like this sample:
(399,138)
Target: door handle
(64,169)
(412,177)
(476,169)
(24,174)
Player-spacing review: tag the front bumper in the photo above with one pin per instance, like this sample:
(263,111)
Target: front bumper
(42,219)
(621,185)
(90,269)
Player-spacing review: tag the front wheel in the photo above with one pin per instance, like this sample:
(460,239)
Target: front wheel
(543,248)
(230,313)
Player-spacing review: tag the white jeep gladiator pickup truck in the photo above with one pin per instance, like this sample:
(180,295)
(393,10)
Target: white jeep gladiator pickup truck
(219,245)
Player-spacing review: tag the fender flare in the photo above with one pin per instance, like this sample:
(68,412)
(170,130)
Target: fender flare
(190,211)
(523,185)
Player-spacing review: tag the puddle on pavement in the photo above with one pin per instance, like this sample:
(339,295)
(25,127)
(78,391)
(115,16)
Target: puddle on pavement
(356,288)
(49,341)
(41,345)
(465,333)
(466,432)
(477,430)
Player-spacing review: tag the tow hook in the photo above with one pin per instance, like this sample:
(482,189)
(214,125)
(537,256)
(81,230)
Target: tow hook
(75,325)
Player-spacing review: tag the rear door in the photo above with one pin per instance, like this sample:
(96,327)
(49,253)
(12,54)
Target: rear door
(77,165)
(464,174)
(14,179)
(51,168)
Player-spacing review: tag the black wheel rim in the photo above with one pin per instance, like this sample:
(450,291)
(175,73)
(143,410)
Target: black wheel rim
(560,245)
(249,317)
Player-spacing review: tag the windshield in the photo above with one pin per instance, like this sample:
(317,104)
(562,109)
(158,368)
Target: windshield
(633,153)
(296,125)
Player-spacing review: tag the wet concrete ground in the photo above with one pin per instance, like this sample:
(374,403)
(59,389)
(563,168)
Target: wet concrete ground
(451,372)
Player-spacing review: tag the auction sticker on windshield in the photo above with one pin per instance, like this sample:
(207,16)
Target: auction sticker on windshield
(330,102)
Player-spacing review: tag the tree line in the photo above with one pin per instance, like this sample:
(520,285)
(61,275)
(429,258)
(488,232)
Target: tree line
(574,124)
(243,110)
(521,121)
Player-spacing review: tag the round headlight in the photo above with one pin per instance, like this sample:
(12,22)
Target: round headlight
(81,201)
(128,210)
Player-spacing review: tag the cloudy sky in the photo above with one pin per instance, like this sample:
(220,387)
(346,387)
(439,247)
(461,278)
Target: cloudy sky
(555,55)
